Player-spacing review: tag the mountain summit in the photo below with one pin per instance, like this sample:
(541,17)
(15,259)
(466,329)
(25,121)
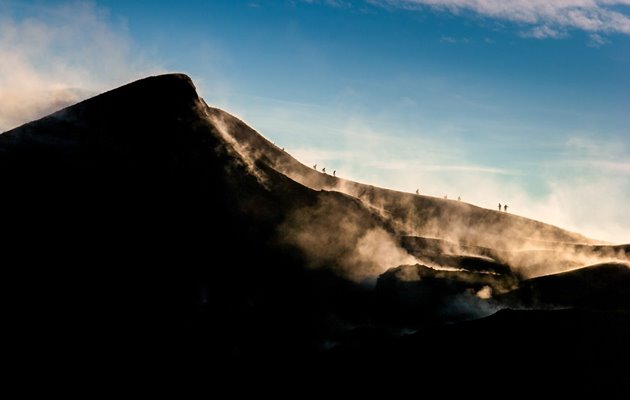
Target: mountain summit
(147,220)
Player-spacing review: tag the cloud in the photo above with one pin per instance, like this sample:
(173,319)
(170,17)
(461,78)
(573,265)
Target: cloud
(597,40)
(333,3)
(469,168)
(545,18)
(594,206)
(621,167)
(420,166)
(314,156)
(57,55)
(543,32)
(452,40)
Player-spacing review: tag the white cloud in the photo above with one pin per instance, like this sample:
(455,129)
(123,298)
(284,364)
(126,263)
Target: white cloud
(597,40)
(546,18)
(620,167)
(543,32)
(452,40)
(58,55)
(321,156)
(416,165)
(595,206)
(334,3)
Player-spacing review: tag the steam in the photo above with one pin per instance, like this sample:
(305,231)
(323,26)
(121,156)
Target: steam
(562,258)
(59,55)
(342,236)
(484,293)
(244,153)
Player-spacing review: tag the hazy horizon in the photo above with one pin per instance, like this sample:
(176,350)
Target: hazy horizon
(505,102)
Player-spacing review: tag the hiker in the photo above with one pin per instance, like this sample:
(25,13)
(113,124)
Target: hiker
(335,173)
(499,206)
(505,208)
(315,167)
(324,170)
(417,191)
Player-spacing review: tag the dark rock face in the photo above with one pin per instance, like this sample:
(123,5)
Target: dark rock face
(602,286)
(134,229)
(417,296)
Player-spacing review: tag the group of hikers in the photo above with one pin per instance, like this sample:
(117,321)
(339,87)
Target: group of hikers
(324,170)
(445,196)
(504,206)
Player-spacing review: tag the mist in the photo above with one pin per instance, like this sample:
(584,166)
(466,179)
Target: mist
(347,239)
(61,54)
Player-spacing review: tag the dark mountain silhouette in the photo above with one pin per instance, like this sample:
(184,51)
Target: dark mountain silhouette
(143,225)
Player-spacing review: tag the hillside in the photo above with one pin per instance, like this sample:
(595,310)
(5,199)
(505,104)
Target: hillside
(451,227)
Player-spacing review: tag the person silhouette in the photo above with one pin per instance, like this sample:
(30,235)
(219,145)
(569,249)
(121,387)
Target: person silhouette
(505,208)
(417,191)
(499,206)
(459,198)
(324,170)
(335,173)
(315,167)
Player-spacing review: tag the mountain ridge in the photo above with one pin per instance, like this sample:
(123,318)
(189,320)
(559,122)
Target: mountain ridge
(142,223)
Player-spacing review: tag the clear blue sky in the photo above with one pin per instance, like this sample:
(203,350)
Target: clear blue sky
(492,101)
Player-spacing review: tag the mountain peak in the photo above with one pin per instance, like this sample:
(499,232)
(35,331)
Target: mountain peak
(161,93)
(176,85)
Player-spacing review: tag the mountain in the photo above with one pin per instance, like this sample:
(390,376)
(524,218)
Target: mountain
(144,225)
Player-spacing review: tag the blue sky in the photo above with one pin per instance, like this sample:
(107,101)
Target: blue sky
(518,102)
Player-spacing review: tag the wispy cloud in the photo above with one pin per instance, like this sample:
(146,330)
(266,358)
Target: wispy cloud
(321,156)
(57,55)
(597,40)
(543,32)
(543,18)
(620,167)
(452,40)
(470,168)
(419,166)
(334,3)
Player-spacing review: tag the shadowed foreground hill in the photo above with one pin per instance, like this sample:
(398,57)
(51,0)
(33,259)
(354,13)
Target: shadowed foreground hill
(129,214)
(143,225)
